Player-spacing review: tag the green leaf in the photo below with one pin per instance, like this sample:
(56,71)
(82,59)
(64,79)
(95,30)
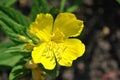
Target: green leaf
(72,8)
(39,6)
(9,59)
(62,5)
(15,16)
(12,28)
(53,11)
(52,73)
(13,36)
(7,2)
(8,31)
(17,28)
(17,72)
(75,4)
(6,44)
(11,56)
(118,1)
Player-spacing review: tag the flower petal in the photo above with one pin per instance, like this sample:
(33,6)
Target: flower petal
(70,50)
(42,27)
(68,24)
(42,54)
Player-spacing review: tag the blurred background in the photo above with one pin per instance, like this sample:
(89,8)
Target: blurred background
(101,36)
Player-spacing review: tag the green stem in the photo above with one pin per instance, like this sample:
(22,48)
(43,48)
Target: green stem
(62,5)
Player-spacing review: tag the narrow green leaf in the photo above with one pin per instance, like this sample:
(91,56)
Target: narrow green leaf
(9,59)
(53,11)
(62,5)
(11,56)
(75,4)
(72,8)
(15,16)
(13,36)
(5,44)
(7,30)
(17,72)
(7,2)
(17,28)
(52,73)
(118,1)
(11,28)
(39,6)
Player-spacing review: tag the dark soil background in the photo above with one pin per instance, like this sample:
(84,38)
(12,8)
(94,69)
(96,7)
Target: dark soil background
(101,36)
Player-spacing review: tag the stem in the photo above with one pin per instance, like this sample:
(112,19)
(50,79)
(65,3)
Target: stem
(36,74)
(62,5)
(36,71)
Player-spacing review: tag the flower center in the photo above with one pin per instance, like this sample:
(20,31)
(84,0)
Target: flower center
(57,36)
(55,49)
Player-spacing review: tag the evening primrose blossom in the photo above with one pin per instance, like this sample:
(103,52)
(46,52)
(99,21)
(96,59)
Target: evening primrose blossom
(55,45)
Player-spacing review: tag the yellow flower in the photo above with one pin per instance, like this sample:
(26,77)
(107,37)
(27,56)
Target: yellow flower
(55,45)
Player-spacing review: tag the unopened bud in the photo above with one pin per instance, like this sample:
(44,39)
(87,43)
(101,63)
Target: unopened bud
(24,39)
(29,46)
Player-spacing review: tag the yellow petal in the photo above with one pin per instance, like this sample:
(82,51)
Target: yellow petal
(68,24)
(42,27)
(42,54)
(70,50)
